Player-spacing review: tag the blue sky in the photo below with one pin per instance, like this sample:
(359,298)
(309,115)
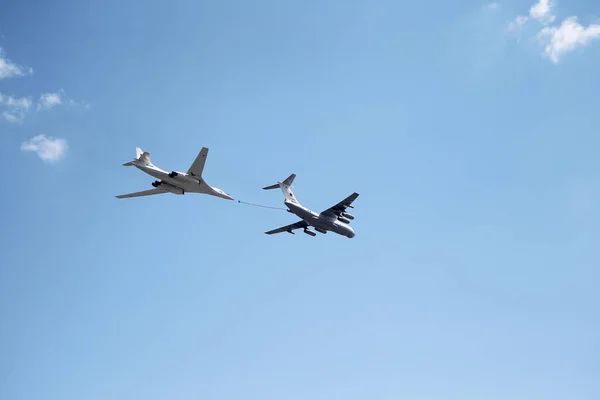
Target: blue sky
(470,131)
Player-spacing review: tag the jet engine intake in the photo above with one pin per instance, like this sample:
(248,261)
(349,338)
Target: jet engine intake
(156,183)
(173,174)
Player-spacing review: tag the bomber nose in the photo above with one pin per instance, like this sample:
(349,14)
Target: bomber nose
(224,194)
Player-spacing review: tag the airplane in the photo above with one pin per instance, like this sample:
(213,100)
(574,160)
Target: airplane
(174,182)
(334,219)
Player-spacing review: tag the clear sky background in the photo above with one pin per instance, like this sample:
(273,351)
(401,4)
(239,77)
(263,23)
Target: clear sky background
(469,129)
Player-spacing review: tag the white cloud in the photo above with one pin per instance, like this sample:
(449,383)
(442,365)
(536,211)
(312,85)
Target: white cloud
(492,6)
(49,100)
(16,107)
(557,40)
(516,26)
(569,36)
(8,69)
(542,11)
(12,117)
(85,105)
(47,148)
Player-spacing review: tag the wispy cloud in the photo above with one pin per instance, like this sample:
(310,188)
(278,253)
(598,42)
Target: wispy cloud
(15,108)
(49,100)
(15,119)
(542,11)
(81,103)
(9,69)
(567,37)
(557,40)
(48,149)
(517,25)
(492,6)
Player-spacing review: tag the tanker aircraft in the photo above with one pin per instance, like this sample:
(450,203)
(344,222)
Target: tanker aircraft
(174,182)
(334,219)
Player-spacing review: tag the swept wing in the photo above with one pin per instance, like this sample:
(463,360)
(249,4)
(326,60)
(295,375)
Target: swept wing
(288,228)
(198,165)
(341,207)
(140,194)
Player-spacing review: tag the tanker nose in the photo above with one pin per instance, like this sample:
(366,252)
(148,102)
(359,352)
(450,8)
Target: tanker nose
(351,233)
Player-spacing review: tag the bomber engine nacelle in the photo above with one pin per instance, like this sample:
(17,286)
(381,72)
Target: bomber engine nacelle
(344,220)
(347,215)
(173,174)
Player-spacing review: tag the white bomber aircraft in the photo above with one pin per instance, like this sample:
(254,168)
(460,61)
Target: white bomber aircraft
(334,219)
(174,182)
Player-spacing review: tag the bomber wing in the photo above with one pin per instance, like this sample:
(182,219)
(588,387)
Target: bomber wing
(139,194)
(289,228)
(198,166)
(341,207)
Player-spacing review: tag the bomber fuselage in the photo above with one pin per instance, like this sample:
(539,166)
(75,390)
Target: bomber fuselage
(187,183)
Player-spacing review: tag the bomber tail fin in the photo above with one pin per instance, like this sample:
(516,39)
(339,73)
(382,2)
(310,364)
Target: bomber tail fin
(140,155)
(286,188)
